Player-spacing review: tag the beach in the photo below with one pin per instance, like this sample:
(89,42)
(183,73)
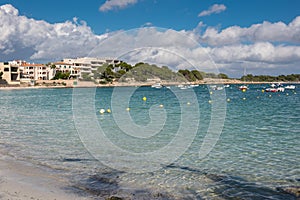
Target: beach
(19,180)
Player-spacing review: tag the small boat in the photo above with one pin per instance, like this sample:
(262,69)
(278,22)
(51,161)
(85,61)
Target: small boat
(271,89)
(280,89)
(156,85)
(243,87)
(290,87)
(275,88)
(214,87)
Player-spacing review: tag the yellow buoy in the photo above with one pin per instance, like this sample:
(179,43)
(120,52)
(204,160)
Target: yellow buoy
(262,91)
(228,100)
(102,111)
(209,101)
(188,103)
(144,98)
(244,90)
(161,106)
(210,92)
(128,109)
(108,110)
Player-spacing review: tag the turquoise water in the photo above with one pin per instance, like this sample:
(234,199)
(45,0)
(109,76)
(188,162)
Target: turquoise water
(256,153)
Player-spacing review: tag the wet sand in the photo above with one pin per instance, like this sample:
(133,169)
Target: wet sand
(22,181)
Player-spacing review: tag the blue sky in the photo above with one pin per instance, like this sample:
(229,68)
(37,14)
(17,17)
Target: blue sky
(262,34)
(178,14)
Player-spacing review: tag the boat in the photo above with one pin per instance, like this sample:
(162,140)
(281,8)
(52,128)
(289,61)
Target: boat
(156,85)
(290,87)
(275,88)
(271,89)
(215,87)
(243,87)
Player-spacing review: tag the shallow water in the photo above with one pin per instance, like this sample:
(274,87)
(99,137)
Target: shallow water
(256,153)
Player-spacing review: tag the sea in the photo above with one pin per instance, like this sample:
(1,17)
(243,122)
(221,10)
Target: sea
(159,143)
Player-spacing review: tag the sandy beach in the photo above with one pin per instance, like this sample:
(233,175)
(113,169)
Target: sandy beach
(21,181)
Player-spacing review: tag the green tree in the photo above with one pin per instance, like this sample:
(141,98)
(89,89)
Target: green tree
(197,74)
(60,75)
(1,74)
(222,76)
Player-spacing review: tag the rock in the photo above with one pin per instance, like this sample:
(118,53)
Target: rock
(114,198)
(294,190)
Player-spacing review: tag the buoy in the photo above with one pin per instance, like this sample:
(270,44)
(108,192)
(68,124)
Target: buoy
(210,92)
(244,90)
(144,98)
(209,101)
(128,109)
(262,91)
(188,103)
(270,95)
(102,111)
(244,98)
(161,106)
(228,100)
(287,94)
(257,97)
(108,110)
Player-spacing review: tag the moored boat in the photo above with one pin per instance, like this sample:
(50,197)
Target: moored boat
(243,87)
(290,87)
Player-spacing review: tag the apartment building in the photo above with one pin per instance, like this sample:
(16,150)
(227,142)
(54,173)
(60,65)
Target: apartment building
(88,65)
(65,67)
(32,71)
(10,72)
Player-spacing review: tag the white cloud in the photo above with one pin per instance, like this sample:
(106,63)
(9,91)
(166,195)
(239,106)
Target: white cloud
(43,40)
(216,8)
(116,4)
(265,32)
(262,46)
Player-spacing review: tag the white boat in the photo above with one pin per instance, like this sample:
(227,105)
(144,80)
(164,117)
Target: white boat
(271,89)
(156,85)
(214,87)
(243,87)
(290,87)
(275,88)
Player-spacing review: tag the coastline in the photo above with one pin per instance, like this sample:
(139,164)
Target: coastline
(20,180)
(87,84)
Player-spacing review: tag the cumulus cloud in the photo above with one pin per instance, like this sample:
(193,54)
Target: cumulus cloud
(116,4)
(42,39)
(216,8)
(264,32)
(262,46)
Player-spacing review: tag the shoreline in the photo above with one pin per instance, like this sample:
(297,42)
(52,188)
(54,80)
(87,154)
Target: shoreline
(89,84)
(22,180)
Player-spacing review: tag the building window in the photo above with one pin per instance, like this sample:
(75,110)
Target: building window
(6,69)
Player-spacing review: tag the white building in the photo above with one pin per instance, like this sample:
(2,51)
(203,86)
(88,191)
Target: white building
(88,65)
(10,72)
(65,67)
(32,71)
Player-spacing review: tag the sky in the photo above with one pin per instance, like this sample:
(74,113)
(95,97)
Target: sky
(261,37)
